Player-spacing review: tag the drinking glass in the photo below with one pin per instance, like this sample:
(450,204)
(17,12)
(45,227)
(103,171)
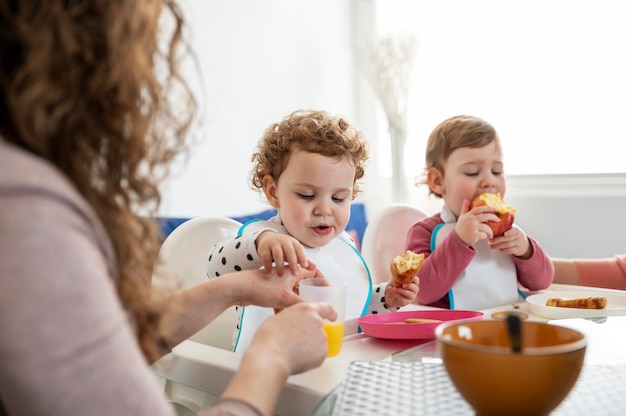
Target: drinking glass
(333,291)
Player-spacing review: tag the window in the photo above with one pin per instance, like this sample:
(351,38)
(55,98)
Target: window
(549,75)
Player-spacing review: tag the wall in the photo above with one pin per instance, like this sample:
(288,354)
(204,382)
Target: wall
(260,60)
(569,215)
(257,61)
(572,215)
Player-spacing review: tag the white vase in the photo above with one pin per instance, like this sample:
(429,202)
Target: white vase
(398,138)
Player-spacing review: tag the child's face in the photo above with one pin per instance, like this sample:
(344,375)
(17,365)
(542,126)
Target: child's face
(469,172)
(313,196)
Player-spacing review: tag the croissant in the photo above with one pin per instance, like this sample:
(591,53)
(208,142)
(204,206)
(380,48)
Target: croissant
(404,267)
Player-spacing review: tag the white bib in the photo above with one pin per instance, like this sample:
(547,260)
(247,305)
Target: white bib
(337,259)
(489,280)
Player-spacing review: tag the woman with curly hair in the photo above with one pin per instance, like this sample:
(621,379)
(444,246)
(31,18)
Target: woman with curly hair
(87,130)
(308,167)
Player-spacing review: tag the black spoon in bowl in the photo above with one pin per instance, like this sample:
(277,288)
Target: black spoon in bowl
(514,328)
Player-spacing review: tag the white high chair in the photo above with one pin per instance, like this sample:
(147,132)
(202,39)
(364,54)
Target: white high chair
(184,254)
(385,237)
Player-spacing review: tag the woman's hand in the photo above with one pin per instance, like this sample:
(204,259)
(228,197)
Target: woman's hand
(296,335)
(191,309)
(288,343)
(258,287)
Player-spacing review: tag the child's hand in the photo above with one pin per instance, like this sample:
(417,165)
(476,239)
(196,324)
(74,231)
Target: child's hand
(311,272)
(277,249)
(397,297)
(471,225)
(513,241)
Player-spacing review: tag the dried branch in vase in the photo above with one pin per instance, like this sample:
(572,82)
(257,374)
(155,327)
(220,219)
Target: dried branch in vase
(387,62)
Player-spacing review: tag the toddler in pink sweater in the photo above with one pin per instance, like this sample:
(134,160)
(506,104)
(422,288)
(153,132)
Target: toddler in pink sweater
(466,267)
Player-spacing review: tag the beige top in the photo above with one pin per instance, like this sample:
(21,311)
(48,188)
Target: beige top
(67,347)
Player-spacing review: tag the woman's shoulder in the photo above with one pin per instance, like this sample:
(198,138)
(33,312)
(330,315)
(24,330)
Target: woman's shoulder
(34,194)
(22,171)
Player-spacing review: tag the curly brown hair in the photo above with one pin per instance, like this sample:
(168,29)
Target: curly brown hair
(79,87)
(312,131)
(454,133)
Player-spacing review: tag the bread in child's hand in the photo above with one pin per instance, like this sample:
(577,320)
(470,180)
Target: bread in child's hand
(404,267)
(504,211)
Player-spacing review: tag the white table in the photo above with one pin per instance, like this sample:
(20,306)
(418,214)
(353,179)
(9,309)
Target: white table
(202,372)
(600,389)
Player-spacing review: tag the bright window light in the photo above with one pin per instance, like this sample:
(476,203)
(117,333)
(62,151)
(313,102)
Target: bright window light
(549,75)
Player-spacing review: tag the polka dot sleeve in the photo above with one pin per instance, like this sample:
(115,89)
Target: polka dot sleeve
(234,255)
(377,301)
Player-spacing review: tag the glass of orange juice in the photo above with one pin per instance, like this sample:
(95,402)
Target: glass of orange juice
(333,291)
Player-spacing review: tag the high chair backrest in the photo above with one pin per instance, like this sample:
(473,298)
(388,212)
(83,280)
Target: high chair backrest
(184,254)
(385,237)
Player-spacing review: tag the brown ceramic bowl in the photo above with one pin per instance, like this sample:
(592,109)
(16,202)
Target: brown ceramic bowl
(496,381)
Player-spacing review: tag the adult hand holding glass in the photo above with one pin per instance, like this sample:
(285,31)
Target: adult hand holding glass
(332,291)
(287,343)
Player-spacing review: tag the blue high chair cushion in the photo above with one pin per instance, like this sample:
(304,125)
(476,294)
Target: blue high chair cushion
(356,226)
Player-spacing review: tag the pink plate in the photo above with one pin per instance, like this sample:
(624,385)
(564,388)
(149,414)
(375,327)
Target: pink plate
(392,325)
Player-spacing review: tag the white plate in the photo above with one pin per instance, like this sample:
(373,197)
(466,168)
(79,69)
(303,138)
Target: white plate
(616,305)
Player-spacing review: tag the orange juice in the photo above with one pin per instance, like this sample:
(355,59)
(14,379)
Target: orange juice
(334,333)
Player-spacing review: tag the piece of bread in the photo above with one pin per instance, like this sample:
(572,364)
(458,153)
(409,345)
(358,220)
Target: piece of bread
(404,267)
(493,200)
(596,302)
(504,211)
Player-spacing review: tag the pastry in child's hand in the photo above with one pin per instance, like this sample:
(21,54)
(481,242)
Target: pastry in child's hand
(404,267)
(504,211)
(596,302)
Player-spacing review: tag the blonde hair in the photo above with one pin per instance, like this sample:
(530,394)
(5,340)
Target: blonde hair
(455,133)
(311,131)
(78,87)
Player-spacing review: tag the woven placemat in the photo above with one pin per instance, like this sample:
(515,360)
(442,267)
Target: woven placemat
(401,388)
